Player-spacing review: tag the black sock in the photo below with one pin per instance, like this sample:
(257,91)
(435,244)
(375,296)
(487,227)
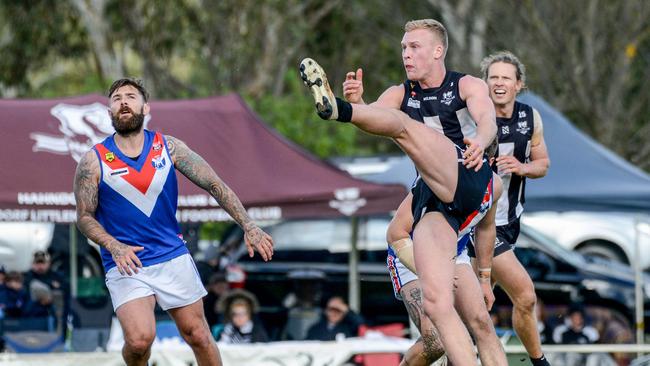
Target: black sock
(539,361)
(345,110)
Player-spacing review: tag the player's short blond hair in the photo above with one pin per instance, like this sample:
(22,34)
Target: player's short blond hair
(505,57)
(431,25)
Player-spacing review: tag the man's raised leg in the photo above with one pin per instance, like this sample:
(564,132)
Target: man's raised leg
(139,326)
(193,327)
(434,155)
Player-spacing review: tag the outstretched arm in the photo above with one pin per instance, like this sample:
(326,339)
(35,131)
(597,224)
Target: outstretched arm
(197,170)
(86,189)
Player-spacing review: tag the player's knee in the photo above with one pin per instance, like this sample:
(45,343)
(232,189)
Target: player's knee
(526,300)
(197,337)
(481,324)
(437,307)
(139,344)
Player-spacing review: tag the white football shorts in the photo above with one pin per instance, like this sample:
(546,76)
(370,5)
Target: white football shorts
(174,283)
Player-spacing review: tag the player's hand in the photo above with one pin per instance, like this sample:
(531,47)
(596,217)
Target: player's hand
(353,87)
(473,154)
(257,240)
(488,295)
(509,164)
(124,256)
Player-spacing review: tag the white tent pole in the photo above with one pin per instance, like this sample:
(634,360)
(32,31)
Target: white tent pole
(354,287)
(638,283)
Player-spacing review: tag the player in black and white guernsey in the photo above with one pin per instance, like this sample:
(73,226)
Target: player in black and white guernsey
(440,108)
(522,154)
(459,107)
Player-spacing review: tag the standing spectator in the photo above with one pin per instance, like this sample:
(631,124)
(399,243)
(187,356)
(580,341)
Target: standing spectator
(217,287)
(303,302)
(338,319)
(208,263)
(58,296)
(239,308)
(13,297)
(41,270)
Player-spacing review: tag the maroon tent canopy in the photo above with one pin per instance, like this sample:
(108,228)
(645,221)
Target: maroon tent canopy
(42,140)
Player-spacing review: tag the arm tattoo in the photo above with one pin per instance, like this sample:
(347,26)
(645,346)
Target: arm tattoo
(197,170)
(86,185)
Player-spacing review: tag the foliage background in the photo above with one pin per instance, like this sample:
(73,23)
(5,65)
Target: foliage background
(589,58)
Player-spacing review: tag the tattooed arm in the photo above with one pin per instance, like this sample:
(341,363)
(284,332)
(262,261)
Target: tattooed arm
(86,188)
(197,170)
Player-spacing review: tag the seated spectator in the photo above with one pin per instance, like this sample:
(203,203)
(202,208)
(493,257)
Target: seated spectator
(576,331)
(40,304)
(13,296)
(338,319)
(240,326)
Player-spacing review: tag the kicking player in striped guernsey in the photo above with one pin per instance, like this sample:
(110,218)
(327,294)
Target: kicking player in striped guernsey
(522,154)
(454,104)
(126,194)
(473,295)
(445,196)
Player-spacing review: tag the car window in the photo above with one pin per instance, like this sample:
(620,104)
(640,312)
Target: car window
(326,240)
(534,238)
(330,235)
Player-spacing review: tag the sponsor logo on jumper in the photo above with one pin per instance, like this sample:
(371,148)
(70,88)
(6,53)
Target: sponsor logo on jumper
(430,97)
(522,114)
(157,146)
(505,130)
(110,156)
(80,127)
(413,103)
(120,172)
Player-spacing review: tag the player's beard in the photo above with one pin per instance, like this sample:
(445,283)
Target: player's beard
(128,126)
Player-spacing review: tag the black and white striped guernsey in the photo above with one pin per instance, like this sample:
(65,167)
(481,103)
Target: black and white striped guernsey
(515,134)
(440,108)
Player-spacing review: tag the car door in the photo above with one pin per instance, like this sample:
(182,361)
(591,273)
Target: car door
(555,275)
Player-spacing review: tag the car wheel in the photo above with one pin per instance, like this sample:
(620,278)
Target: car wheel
(603,249)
